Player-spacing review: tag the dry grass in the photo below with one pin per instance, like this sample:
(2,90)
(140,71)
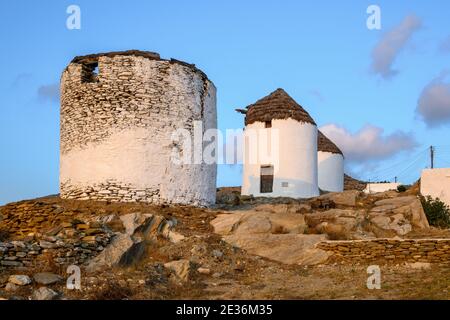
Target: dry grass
(112,291)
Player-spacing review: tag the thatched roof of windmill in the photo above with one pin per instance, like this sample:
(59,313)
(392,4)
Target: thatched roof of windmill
(277,105)
(326,145)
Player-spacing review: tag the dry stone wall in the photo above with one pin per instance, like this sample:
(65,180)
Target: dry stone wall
(39,231)
(117,126)
(390,250)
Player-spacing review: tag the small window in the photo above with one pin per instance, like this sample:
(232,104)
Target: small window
(89,72)
(285,184)
(268,124)
(266,179)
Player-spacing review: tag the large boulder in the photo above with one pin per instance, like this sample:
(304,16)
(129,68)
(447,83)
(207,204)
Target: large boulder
(400,214)
(274,236)
(19,279)
(418,216)
(47,278)
(226,223)
(284,207)
(254,222)
(44,293)
(286,248)
(346,198)
(396,223)
(112,254)
(129,247)
(133,221)
(349,219)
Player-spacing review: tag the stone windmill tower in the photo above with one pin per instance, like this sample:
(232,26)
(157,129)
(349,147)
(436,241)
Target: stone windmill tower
(295,172)
(118,113)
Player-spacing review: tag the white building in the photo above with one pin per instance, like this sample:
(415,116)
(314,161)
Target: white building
(376,187)
(330,165)
(291,169)
(436,183)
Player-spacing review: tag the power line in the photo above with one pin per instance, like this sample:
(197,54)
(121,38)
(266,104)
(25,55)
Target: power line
(395,170)
(412,168)
(432,157)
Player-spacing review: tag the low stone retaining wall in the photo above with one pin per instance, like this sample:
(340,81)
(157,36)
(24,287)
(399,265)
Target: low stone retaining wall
(62,251)
(390,250)
(41,231)
(112,191)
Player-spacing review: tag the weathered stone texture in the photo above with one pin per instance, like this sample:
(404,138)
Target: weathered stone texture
(68,232)
(390,250)
(117,126)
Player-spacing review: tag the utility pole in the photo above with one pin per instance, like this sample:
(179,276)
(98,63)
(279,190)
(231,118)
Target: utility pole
(432,156)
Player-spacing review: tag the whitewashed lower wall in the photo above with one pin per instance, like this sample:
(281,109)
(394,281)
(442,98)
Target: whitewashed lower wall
(330,171)
(297,160)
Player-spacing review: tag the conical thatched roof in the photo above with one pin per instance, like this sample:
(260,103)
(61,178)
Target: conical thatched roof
(326,145)
(277,105)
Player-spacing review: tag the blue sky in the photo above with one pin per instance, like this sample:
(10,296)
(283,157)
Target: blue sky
(320,52)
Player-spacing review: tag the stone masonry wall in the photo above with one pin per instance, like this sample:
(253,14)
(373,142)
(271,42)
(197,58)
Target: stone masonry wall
(117,125)
(390,250)
(39,231)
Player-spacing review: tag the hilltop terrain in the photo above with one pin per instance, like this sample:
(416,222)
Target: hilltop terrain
(244,248)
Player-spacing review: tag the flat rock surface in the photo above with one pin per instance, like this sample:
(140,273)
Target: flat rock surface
(286,248)
(276,236)
(47,278)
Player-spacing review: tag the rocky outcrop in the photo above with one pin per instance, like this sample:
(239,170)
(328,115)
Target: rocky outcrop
(255,221)
(346,198)
(400,215)
(286,248)
(396,216)
(44,293)
(289,233)
(19,279)
(410,207)
(338,224)
(274,236)
(47,278)
(129,247)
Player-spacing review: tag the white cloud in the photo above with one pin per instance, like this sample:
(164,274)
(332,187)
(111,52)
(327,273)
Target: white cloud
(434,102)
(49,92)
(369,143)
(390,45)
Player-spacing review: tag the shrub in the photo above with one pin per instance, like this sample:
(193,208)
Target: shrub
(437,212)
(401,188)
